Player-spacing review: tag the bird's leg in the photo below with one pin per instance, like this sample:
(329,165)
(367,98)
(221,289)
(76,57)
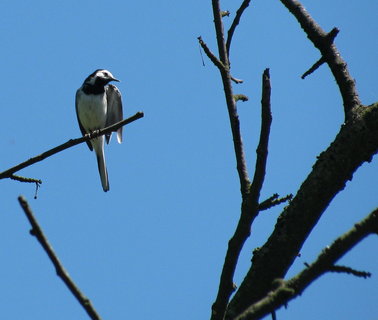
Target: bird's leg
(93,133)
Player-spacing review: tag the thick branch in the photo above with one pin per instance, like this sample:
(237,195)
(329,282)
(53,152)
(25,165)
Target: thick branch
(288,290)
(61,272)
(73,142)
(355,144)
(249,210)
(324,43)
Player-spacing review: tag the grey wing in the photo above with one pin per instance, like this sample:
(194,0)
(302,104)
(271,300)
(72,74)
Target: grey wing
(78,92)
(114,113)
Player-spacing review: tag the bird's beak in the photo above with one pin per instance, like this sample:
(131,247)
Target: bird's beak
(114,79)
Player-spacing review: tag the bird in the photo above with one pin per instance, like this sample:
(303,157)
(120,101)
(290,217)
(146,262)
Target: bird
(99,105)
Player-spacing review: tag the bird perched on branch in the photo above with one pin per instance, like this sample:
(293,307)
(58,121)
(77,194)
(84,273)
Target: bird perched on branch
(98,105)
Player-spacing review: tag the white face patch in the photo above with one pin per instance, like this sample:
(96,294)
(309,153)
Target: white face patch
(104,74)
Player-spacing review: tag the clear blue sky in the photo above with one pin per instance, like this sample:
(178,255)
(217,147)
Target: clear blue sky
(153,247)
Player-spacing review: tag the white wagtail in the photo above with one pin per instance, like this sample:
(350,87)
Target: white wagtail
(98,105)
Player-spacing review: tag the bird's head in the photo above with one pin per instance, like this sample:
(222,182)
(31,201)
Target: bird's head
(100,77)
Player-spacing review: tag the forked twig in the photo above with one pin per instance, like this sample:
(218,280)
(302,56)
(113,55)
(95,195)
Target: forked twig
(250,208)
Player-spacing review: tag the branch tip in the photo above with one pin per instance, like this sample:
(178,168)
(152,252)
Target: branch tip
(348,270)
(61,272)
(314,67)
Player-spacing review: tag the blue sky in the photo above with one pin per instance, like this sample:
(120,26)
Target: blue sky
(153,247)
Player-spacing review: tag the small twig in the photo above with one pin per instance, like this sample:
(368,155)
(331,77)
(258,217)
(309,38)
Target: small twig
(288,290)
(348,270)
(61,272)
(273,201)
(73,142)
(324,43)
(28,180)
(235,23)
(330,37)
(215,60)
(237,81)
(315,66)
(211,55)
(25,179)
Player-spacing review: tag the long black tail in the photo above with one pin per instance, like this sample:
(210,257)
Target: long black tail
(102,170)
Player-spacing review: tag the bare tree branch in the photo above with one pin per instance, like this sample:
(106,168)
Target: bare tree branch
(355,144)
(235,23)
(219,32)
(330,37)
(349,270)
(215,60)
(262,149)
(231,104)
(324,43)
(24,179)
(212,56)
(274,201)
(70,143)
(314,67)
(288,290)
(61,272)
(250,208)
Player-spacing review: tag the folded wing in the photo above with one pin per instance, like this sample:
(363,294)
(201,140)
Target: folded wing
(114,113)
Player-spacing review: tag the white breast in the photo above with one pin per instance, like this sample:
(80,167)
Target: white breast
(92,110)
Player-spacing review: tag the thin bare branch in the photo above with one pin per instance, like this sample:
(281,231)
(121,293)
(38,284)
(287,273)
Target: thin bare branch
(211,55)
(219,32)
(25,179)
(314,67)
(349,270)
(61,272)
(273,201)
(288,290)
(235,23)
(237,81)
(262,149)
(355,144)
(70,143)
(250,208)
(324,43)
(231,104)
(216,61)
